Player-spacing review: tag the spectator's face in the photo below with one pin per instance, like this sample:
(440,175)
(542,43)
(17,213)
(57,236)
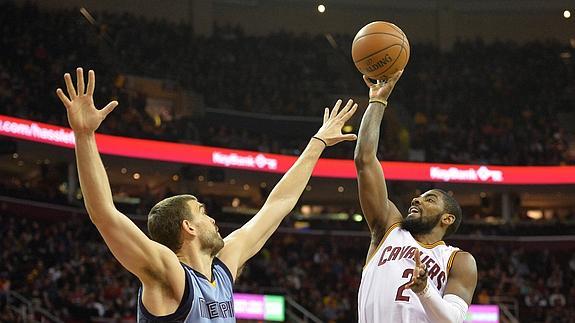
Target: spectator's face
(425,213)
(210,239)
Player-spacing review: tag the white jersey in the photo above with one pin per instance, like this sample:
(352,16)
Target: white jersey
(382,293)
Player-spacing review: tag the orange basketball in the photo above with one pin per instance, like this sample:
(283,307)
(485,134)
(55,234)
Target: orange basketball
(379,50)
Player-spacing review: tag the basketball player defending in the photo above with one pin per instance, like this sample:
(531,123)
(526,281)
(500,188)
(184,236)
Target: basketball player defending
(410,274)
(186,268)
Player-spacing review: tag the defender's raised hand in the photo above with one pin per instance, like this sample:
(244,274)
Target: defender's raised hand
(83,116)
(382,89)
(330,131)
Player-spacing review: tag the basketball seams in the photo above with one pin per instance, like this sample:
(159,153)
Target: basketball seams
(395,61)
(390,66)
(378,33)
(379,51)
(389,30)
(395,27)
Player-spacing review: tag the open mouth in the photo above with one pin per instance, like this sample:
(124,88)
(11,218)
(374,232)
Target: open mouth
(414,210)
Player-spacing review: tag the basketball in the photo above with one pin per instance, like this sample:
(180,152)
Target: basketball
(380,49)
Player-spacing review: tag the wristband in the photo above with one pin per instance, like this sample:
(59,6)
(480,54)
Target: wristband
(384,102)
(318,138)
(425,292)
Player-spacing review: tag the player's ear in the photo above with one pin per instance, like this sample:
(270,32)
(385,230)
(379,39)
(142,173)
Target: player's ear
(188,227)
(448,219)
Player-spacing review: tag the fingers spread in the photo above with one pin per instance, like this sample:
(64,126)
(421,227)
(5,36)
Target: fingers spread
(349,113)
(325,115)
(346,108)
(335,109)
(109,108)
(63,98)
(417,259)
(91,82)
(69,86)
(80,81)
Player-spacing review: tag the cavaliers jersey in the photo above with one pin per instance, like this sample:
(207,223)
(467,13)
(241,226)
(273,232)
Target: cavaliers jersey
(382,293)
(203,301)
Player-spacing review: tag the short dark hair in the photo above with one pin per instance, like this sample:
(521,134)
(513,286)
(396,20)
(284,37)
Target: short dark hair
(165,220)
(451,207)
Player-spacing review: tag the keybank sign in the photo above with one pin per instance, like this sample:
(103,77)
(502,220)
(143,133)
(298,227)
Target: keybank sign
(258,161)
(481,174)
(275,163)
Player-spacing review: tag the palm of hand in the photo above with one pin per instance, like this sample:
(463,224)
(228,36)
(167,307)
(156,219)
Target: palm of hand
(333,121)
(82,114)
(379,91)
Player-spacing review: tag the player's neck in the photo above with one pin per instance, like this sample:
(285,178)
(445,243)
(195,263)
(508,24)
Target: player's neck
(429,238)
(198,260)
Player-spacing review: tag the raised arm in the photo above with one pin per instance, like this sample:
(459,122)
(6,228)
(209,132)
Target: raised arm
(378,210)
(245,242)
(150,261)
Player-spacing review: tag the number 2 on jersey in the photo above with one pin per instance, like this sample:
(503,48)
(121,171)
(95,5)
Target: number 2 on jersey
(408,273)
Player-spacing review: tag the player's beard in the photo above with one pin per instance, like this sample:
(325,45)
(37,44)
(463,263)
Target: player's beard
(211,243)
(421,224)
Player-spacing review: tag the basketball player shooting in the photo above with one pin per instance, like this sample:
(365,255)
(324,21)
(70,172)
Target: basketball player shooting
(410,274)
(186,269)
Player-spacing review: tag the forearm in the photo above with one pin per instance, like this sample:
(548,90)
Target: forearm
(280,202)
(449,309)
(368,137)
(93,178)
(286,193)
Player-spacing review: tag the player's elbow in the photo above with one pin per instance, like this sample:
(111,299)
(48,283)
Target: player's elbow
(361,158)
(101,216)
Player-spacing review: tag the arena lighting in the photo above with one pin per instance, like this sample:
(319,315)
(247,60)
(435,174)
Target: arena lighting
(566,14)
(535,214)
(482,314)
(321,8)
(279,164)
(259,307)
(357,217)
(235,202)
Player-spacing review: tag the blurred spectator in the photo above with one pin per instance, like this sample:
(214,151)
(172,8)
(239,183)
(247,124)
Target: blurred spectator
(475,104)
(81,280)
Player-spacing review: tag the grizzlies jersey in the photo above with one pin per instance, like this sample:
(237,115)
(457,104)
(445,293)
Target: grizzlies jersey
(382,293)
(203,301)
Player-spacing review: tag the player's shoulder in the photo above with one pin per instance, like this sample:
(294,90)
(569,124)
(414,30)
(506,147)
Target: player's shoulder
(464,261)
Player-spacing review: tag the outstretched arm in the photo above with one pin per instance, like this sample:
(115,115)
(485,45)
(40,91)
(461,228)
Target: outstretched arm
(152,262)
(378,210)
(245,242)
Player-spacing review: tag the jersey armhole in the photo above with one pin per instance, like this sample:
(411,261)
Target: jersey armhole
(385,235)
(183,309)
(226,269)
(450,261)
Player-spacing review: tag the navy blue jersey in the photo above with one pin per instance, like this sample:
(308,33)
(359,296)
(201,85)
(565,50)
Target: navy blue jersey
(203,301)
